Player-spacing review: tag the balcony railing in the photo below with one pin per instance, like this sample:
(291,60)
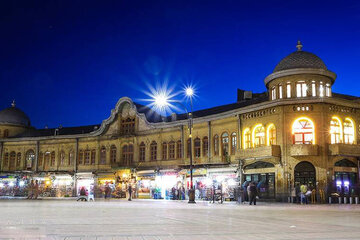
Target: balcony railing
(341,149)
(260,152)
(304,150)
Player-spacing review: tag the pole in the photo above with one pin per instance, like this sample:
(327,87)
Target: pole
(191,191)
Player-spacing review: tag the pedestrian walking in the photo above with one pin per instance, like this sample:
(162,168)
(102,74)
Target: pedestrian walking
(36,189)
(107,191)
(130,191)
(31,190)
(252,193)
(303,191)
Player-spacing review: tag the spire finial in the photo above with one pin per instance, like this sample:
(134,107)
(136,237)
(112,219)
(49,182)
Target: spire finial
(299,46)
(13,104)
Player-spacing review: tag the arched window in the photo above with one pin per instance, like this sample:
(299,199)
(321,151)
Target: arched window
(335,130)
(172,150)
(247,138)
(30,158)
(225,144)
(127,154)
(188,150)
(197,145)
(18,160)
(81,157)
(41,160)
(93,156)
(179,149)
(349,131)
(271,135)
(103,155)
(142,152)
(233,143)
(71,158)
(205,146)
(47,159)
(6,133)
(258,135)
(113,154)
(12,160)
(52,158)
(130,154)
(87,157)
(6,159)
(128,126)
(164,151)
(62,158)
(303,131)
(216,145)
(153,151)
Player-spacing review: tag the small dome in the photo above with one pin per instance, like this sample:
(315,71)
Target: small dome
(14,115)
(300,59)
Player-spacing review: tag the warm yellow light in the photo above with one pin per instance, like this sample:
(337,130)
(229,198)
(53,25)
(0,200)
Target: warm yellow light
(47,182)
(353,127)
(253,133)
(244,138)
(271,125)
(124,175)
(340,126)
(307,119)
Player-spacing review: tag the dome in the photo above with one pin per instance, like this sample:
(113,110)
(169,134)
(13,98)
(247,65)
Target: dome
(300,59)
(14,115)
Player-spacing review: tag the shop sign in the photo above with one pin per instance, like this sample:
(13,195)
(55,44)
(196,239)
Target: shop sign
(196,172)
(345,169)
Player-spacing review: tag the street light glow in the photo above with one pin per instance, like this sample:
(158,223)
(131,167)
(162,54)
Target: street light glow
(189,91)
(161,100)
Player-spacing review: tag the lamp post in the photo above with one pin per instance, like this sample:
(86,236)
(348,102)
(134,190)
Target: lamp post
(161,101)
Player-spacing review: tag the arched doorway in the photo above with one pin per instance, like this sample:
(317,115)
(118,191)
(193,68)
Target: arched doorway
(305,174)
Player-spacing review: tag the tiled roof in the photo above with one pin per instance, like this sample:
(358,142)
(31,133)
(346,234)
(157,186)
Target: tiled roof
(300,59)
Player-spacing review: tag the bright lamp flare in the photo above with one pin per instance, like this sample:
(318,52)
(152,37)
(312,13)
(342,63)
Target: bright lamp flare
(189,91)
(161,100)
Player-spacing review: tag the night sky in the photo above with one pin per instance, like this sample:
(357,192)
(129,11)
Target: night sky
(69,62)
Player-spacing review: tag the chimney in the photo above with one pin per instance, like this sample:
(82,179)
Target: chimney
(243,95)
(173,117)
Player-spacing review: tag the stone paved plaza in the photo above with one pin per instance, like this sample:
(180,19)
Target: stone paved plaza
(149,219)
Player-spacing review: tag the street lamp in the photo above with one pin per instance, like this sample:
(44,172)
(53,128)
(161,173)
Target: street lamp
(161,101)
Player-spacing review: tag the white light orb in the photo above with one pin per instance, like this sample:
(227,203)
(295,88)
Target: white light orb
(189,92)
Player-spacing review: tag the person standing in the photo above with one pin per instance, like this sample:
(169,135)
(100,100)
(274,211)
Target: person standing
(130,191)
(107,191)
(36,189)
(31,190)
(252,193)
(303,190)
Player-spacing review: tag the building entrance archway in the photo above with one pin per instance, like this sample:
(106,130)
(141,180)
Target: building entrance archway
(304,173)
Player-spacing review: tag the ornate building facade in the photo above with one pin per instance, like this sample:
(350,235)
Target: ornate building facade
(297,132)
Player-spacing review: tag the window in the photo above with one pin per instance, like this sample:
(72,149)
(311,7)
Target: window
(6,159)
(47,160)
(172,150)
(301,89)
(179,149)
(188,147)
(303,131)
(6,133)
(259,135)
(197,147)
(18,160)
(93,156)
(142,152)
(130,157)
(233,143)
(328,90)
(271,135)
(216,145)
(41,158)
(288,90)
(71,158)
(247,138)
(153,151)
(127,154)
(87,157)
(12,160)
(273,93)
(335,130)
(280,91)
(113,154)
(313,88)
(225,144)
(30,158)
(81,156)
(128,126)
(205,146)
(103,155)
(52,163)
(164,151)
(349,131)
(62,158)
(321,90)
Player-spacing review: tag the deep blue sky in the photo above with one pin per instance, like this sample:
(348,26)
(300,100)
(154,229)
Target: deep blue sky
(68,62)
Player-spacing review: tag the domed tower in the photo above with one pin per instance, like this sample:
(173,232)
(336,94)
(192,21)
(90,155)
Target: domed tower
(300,75)
(13,121)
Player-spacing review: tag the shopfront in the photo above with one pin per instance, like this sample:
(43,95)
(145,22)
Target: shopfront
(14,185)
(102,181)
(263,175)
(226,179)
(145,184)
(202,184)
(345,177)
(85,180)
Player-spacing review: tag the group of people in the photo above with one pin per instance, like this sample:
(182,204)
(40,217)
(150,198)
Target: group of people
(108,191)
(33,190)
